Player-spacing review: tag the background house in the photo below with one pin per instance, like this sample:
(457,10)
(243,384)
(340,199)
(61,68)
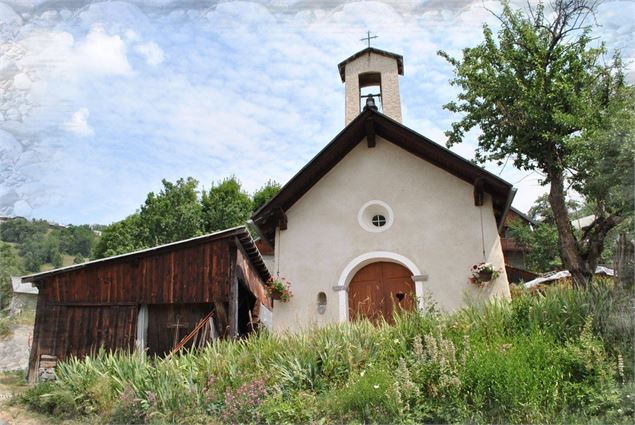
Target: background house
(24,296)
(514,253)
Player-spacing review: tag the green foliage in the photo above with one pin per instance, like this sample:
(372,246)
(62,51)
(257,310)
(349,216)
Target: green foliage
(6,326)
(76,240)
(265,193)
(176,213)
(561,357)
(39,249)
(9,266)
(19,230)
(48,398)
(543,250)
(541,210)
(173,214)
(545,97)
(606,153)
(527,90)
(366,398)
(39,244)
(121,237)
(226,205)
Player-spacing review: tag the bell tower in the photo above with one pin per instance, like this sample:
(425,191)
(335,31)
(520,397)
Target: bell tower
(372,73)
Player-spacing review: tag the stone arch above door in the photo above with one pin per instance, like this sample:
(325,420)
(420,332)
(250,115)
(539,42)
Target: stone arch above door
(371,257)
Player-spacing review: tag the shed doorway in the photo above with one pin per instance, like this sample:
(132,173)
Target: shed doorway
(169,323)
(380,289)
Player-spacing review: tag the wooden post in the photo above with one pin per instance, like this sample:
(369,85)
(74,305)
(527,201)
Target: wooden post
(233,294)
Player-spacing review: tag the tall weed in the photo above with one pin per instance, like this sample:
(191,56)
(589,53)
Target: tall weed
(564,355)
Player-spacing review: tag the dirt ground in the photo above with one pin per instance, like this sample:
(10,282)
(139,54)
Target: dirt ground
(14,349)
(12,384)
(11,413)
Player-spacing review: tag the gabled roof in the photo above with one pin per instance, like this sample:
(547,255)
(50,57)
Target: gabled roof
(241,233)
(342,65)
(523,216)
(372,123)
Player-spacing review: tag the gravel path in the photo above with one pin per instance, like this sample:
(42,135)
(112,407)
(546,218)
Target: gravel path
(14,351)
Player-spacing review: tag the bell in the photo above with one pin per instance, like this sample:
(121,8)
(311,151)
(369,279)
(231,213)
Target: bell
(370,103)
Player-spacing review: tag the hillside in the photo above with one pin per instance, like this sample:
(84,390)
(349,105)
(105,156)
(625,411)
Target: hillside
(561,358)
(40,245)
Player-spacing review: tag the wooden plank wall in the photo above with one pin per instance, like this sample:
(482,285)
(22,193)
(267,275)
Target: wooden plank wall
(96,306)
(253,280)
(78,330)
(195,274)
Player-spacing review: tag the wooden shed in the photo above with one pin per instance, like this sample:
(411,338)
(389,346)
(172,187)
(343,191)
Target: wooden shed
(209,287)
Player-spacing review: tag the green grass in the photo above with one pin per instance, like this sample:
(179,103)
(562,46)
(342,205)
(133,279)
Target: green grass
(67,260)
(6,326)
(545,359)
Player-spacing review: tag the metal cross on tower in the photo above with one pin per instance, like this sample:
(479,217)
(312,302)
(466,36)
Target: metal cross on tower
(368,38)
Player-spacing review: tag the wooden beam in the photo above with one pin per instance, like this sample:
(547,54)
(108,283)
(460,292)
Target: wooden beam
(369,126)
(479,191)
(282,219)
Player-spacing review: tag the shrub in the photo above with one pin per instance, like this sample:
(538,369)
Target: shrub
(242,405)
(367,398)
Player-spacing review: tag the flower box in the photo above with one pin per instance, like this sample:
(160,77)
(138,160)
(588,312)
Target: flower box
(483,273)
(279,289)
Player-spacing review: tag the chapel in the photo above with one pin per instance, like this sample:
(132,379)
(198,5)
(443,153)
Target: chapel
(382,218)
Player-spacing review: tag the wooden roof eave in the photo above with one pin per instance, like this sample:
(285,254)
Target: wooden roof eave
(501,191)
(239,232)
(342,65)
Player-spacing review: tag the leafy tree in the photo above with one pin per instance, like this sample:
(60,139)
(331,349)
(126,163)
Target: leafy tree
(9,266)
(174,214)
(171,215)
(542,95)
(20,229)
(541,210)
(121,237)
(76,240)
(226,205)
(265,193)
(541,244)
(40,249)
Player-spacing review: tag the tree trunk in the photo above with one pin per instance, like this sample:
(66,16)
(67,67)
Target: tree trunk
(624,261)
(571,256)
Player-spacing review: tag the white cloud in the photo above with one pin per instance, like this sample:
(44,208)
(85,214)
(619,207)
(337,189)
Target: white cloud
(78,124)
(151,52)
(244,88)
(101,53)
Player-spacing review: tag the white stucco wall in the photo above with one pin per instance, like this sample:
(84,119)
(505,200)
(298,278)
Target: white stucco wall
(436,228)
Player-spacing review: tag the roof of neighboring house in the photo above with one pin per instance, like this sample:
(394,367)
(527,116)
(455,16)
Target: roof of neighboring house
(342,65)
(20,287)
(369,124)
(551,276)
(523,216)
(582,222)
(239,232)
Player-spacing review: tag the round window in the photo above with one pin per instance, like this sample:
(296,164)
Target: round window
(378,220)
(375,216)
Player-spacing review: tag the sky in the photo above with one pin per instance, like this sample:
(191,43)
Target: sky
(100,101)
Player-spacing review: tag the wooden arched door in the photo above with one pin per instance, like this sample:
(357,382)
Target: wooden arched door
(378,290)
